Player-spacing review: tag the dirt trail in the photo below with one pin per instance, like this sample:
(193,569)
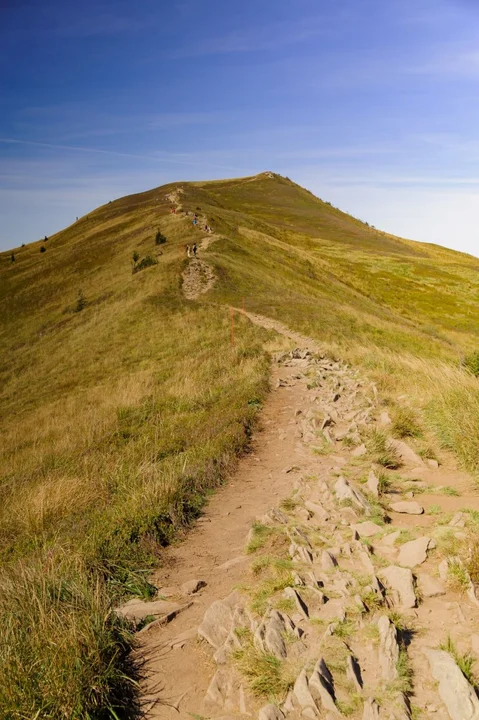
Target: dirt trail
(355,590)
(198,276)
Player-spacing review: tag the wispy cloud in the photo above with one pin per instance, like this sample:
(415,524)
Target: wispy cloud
(155,156)
(274,35)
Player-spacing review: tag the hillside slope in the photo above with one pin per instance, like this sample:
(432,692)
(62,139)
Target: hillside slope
(120,411)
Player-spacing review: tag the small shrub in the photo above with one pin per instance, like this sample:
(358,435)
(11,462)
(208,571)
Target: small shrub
(12,258)
(382,450)
(405,423)
(266,674)
(471,363)
(144,263)
(160,239)
(43,249)
(135,256)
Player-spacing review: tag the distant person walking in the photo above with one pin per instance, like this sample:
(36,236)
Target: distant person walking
(194,249)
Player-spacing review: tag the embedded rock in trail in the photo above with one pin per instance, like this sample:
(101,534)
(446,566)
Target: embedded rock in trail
(414,552)
(224,692)
(366,529)
(455,691)
(321,687)
(192,586)
(328,560)
(359,451)
(303,695)
(388,648)
(353,672)
(390,540)
(407,454)
(137,610)
(429,586)
(371,710)
(345,492)
(401,581)
(408,508)
(292,594)
(218,620)
(270,712)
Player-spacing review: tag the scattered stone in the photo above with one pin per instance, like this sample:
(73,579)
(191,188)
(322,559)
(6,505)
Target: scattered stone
(373,484)
(366,529)
(353,672)
(443,569)
(414,552)
(192,586)
(299,553)
(371,710)
(270,712)
(345,492)
(390,540)
(301,606)
(221,691)
(458,520)
(409,508)
(359,451)
(430,587)
(137,610)
(317,510)
(388,648)
(432,463)
(455,691)
(406,453)
(303,695)
(366,561)
(322,689)
(218,620)
(401,581)
(328,561)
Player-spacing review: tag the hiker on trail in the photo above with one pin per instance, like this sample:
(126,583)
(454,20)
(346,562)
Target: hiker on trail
(194,249)
(194,221)
(206,227)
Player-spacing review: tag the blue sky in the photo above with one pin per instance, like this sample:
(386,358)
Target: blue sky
(371,104)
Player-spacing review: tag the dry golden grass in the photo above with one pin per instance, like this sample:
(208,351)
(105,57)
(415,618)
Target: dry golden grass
(118,420)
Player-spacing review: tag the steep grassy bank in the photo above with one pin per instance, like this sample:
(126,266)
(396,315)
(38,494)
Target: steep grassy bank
(119,416)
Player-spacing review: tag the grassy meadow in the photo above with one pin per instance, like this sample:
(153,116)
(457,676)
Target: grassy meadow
(118,417)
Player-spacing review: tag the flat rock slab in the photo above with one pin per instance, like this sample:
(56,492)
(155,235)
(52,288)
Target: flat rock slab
(430,587)
(407,507)
(192,586)
(137,610)
(401,581)
(366,529)
(414,552)
(455,691)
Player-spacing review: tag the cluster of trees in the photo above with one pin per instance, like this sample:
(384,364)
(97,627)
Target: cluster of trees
(140,264)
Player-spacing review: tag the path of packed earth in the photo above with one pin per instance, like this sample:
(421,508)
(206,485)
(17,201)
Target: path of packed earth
(318,583)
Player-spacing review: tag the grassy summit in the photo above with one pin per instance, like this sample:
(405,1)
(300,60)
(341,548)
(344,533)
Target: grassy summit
(123,403)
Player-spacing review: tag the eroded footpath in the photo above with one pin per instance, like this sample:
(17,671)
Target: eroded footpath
(319,584)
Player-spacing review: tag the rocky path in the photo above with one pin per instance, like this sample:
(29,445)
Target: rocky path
(320,583)
(198,277)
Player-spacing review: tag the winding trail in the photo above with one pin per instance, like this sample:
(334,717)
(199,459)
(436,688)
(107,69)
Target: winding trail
(198,277)
(309,443)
